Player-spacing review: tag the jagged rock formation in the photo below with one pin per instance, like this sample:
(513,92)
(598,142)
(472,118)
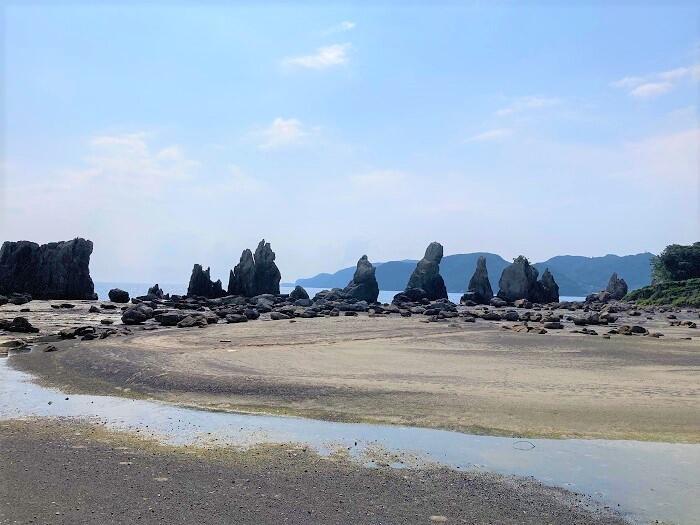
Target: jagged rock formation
(242,278)
(255,275)
(547,290)
(617,287)
(56,270)
(364,285)
(117,295)
(519,281)
(201,284)
(479,288)
(267,275)
(155,291)
(427,276)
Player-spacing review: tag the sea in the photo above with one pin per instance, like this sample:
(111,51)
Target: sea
(135,289)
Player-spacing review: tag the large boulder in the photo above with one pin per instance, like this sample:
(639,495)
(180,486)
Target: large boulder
(298,293)
(201,284)
(364,285)
(242,278)
(479,288)
(137,314)
(427,276)
(267,275)
(518,281)
(117,295)
(617,287)
(57,270)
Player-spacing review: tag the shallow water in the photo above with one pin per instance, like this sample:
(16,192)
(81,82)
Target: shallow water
(136,289)
(649,481)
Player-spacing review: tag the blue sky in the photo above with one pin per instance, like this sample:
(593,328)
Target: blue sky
(174,134)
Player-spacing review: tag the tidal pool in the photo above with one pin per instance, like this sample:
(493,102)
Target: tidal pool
(644,481)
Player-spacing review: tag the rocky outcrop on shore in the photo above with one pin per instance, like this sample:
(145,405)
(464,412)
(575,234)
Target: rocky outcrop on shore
(479,288)
(363,286)
(201,284)
(617,287)
(255,275)
(56,270)
(519,281)
(427,276)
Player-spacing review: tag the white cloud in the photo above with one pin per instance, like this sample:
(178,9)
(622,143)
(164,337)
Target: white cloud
(522,104)
(379,180)
(324,57)
(656,84)
(345,25)
(651,89)
(491,135)
(281,133)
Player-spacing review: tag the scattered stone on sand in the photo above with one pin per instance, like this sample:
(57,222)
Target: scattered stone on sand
(18,325)
(137,314)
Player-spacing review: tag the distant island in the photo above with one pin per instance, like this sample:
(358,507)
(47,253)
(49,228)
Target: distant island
(576,275)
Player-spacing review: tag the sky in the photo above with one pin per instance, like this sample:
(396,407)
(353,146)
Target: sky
(174,134)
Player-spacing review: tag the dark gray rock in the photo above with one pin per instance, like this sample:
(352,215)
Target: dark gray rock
(479,284)
(298,293)
(116,295)
(170,318)
(546,290)
(137,314)
(242,278)
(410,295)
(427,276)
(155,291)
(19,325)
(617,287)
(23,298)
(193,320)
(518,281)
(267,275)
(201,284)
(3,300)
(57,270)
(364,285)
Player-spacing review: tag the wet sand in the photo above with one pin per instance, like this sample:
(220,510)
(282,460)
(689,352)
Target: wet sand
(470,377)
(60,473)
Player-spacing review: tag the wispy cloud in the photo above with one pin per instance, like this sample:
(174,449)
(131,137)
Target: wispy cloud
(342,27)
(324,57)
(491,135)
(522,104)
(379,179)
(656,84)
(281,133)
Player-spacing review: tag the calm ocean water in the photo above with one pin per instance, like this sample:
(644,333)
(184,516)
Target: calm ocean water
(136,289)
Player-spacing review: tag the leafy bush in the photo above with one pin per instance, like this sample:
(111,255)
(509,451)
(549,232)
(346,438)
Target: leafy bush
(677,263)
(677,293)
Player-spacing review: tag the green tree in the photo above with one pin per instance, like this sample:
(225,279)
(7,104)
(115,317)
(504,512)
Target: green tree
(677,263)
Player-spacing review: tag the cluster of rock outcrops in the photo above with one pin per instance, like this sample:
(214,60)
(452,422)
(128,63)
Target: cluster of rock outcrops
(56,270)
(255,274)
(519,281)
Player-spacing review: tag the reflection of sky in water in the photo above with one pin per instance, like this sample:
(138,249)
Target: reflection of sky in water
(652,480)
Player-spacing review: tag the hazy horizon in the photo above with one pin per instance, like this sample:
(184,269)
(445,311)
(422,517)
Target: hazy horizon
(181,135)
